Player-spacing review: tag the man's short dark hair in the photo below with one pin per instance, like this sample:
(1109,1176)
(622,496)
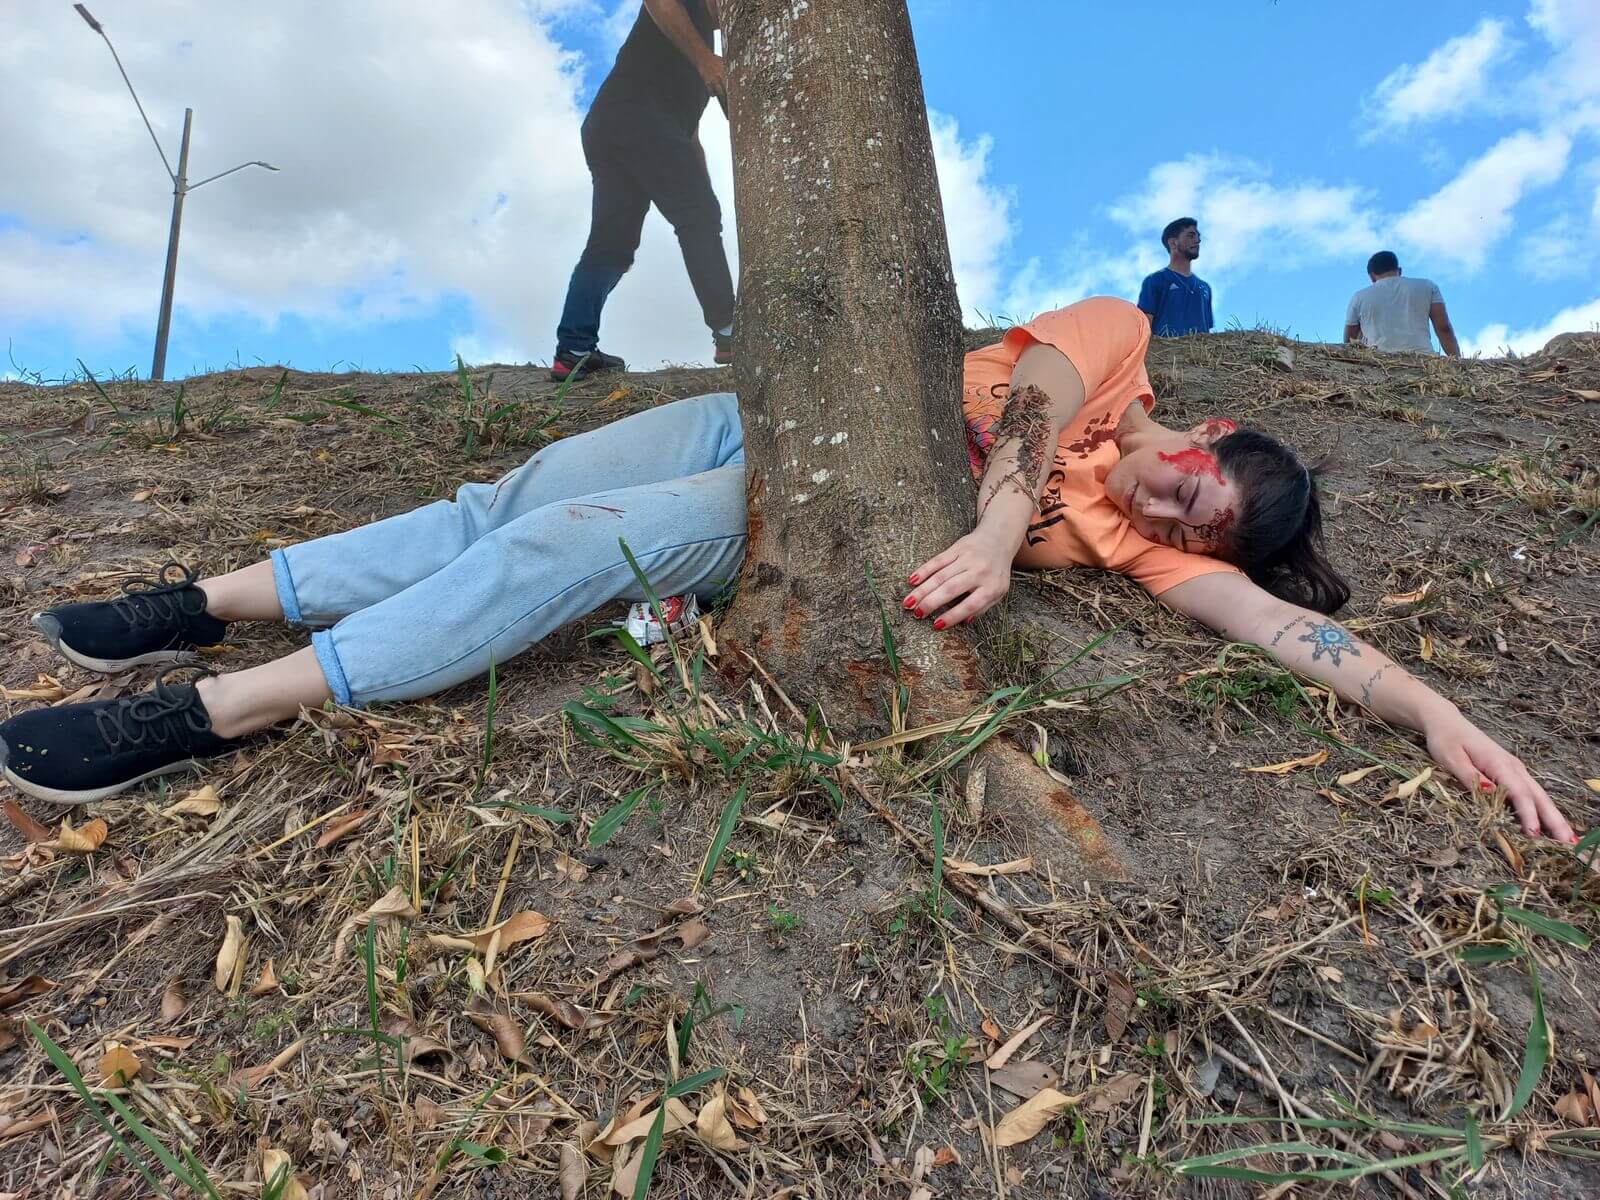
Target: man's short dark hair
(1174,228)
(1382,263)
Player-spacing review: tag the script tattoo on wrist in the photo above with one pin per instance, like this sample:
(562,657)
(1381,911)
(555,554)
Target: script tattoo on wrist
(1026,418)
(1328,637)
(1366,688)
(1278,637)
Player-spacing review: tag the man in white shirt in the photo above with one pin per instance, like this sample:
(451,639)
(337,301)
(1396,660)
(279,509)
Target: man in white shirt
(1394,313)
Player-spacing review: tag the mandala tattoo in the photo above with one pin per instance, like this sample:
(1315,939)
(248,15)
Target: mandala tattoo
(1328,638)
(1027,419)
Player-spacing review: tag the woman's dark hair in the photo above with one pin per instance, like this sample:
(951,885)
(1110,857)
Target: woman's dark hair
(1277,539)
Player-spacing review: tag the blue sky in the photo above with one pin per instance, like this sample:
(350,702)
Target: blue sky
(433,196)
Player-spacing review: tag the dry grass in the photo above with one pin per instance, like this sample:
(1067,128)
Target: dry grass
(1290,944)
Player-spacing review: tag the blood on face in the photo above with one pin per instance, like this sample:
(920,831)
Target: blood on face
(1193,462)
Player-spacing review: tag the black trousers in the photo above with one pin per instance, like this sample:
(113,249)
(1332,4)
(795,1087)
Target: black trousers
(638,158)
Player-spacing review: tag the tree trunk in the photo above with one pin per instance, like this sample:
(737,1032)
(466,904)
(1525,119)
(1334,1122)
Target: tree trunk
(848,365)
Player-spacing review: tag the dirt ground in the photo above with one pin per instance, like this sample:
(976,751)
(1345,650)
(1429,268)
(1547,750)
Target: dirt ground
(298,948)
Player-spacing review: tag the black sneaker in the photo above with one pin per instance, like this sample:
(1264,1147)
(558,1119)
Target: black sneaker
(566,365)
(158,620)
(724,353)
(81,753)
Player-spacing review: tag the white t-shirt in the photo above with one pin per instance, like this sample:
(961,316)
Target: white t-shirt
(1393,313)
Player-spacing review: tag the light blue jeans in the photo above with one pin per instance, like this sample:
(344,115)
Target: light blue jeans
(423,601)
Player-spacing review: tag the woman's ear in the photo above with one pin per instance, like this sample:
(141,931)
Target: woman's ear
(1211,431)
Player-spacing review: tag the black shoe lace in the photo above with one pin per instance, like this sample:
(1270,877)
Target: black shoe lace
(162,715)
(160,598)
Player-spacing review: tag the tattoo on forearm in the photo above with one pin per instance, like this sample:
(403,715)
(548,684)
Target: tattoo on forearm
(1366,688)
(1026,419)
(1326,637)
(1278,637)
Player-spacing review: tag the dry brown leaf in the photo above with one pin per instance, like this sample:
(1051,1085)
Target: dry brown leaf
(418,1045)
(506,1032)
(1575,1108)
(25,558)
(1510,853)
(33,985)
(342,827)
(1445,856)
(712,1125)
(267,982)
(623,960)
(1350,778)
(203,802)
(1025,1079)
(32,832)
(562,1011)
(1425,648)
(228,956)
(394,904)
(1016,866)
(1315,759)
(1584,393)
(1592,784)
(1119,1003)
(272,1163)
(1408,597)
(1408,789)
(625,1171)
(254,1077)
(684,906)
(520,927)
(1026,1120)
(1114,1092)
(118,1066)
(172,1002)
(430,1114)
(679,1117)
(82,841)
(574,1172)
(569,867)
(10,1034)
(1003,1055)
(692,933)
(46,687)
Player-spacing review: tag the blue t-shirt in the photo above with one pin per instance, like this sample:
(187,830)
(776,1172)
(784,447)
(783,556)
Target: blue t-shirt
(1177,304)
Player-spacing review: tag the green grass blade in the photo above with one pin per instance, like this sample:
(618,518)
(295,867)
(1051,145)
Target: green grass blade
(1537,1050)
(585,718)
(143,1133)
(353,406)
(693,1083)
(725,827)
(1585,853)
(1474,1143)
(1494,952)
(651,1152)
(938,852)
(1539,923)
(62,1063)
(615,817)
(553,815)
(650,595)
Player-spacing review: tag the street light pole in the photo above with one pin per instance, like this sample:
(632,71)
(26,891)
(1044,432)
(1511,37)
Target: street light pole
(181,187)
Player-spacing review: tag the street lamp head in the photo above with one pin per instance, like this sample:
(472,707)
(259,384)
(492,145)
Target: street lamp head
(84,13)
(267,165)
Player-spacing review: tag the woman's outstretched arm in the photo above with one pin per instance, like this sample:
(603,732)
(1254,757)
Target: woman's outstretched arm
(1319,647)
(1046,393)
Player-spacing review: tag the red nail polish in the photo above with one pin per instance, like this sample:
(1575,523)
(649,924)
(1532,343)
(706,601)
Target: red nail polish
(915,579)
(939,624)
(918,613)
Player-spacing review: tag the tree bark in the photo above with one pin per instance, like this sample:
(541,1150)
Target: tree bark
(848,368)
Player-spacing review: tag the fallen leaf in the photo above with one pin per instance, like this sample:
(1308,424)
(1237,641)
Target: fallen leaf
(1114,1092)
(506,1032)
(82,841)
(625,1171)
(623,960)
(326,1143)
(1585,393)
(562,1011)
(276,1164)
(944,1156)
(712,1125)
(571,868)
(267,982)
(118,1066)
(1003,1055)
(1575,1108)
(1408,597)
(1016,866)
(684,906)
(429,1113)
(1022,1123)
(1592,784)
(1510,853)
(1593,1090)
(692,933)
(201,803)
(1425,648)
(395,903)
(678,1117)
(1119,1003)
(745,1110)
(228,957)
(521,927)
(10,1035)
(32,832)
(574,1172)
(1408,789)
(1349,778)
(142,495)
(418,1045)
(342,827)
(46,687)
(1283,768)
(1025,1079)
(172,1002)
(1445,856)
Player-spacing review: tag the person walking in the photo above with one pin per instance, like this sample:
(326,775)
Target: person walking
(1393,312)
(1176,300)
(641,143)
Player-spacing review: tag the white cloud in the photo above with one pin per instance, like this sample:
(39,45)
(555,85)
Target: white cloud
(1453,79)
(1464,219)
(1496,339)
(1553,252)
(977,214)
(1572,27)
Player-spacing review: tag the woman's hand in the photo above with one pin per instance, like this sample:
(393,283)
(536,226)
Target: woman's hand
(972,575)
(1478,761)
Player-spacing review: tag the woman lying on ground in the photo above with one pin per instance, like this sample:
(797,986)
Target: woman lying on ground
(1219,523)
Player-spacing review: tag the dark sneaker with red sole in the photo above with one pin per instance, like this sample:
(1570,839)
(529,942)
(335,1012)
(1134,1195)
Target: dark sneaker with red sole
(724,352)
(157,620)
(565,366)
(81,753)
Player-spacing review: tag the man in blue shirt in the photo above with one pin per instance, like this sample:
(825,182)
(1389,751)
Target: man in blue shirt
(1176,300)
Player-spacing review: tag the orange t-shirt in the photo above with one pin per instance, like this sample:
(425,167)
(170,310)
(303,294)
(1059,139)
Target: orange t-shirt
(1076,523)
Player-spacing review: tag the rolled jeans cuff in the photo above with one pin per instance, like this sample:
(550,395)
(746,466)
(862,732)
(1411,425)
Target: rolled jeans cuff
(332,668)
(287,600)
